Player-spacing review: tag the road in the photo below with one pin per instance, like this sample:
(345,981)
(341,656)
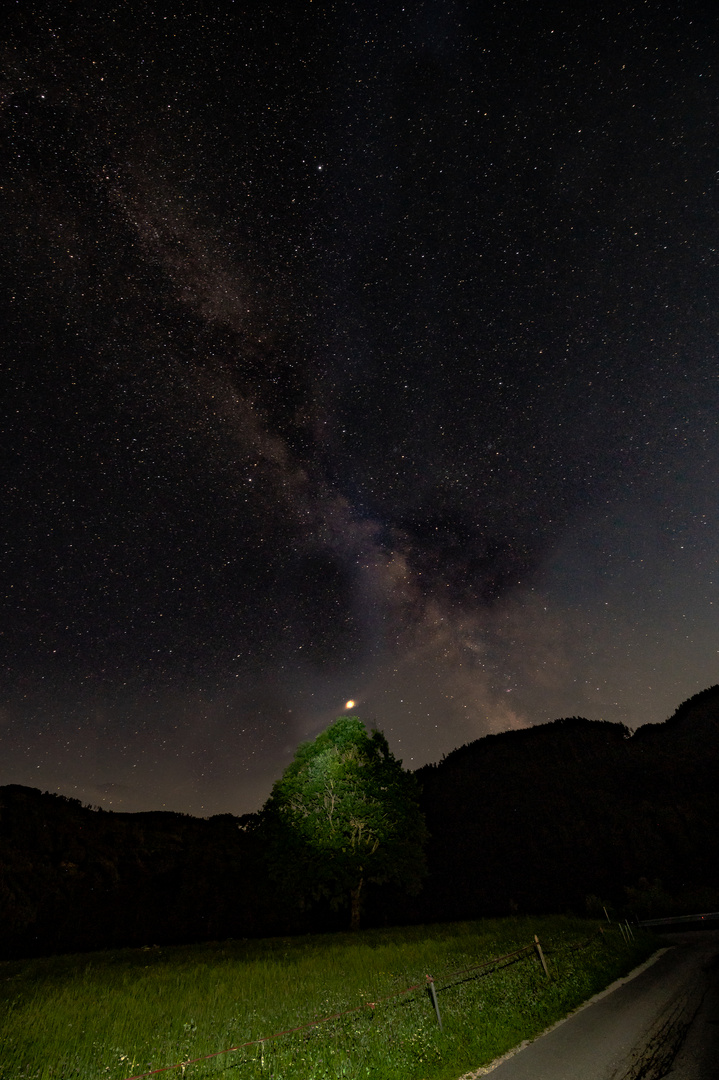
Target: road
(698,1056)
(662,1022)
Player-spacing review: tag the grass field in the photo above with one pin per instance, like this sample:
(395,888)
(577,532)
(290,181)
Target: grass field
(112,1015)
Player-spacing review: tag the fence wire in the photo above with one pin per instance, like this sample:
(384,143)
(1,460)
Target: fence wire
(516,954)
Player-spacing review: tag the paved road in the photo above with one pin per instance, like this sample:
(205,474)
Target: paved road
(665,1018)
(698,1056)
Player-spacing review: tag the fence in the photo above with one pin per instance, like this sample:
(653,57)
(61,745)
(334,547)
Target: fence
(486,967)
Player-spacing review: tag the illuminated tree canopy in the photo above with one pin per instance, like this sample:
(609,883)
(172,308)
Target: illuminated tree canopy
(345,813)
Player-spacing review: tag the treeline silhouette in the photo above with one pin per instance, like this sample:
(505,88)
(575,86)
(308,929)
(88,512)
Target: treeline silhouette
(572,815)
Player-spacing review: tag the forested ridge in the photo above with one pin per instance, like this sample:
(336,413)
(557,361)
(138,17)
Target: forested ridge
(567,815)
(545,817)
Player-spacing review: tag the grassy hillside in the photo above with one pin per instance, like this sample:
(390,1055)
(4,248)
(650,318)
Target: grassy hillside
(119,1014)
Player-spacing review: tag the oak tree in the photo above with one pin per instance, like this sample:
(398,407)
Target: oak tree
(345,813)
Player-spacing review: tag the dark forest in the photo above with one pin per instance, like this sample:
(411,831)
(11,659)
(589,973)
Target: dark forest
(574,815)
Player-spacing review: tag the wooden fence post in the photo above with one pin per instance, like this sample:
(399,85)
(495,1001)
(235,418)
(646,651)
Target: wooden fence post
(433,996)
(538,947)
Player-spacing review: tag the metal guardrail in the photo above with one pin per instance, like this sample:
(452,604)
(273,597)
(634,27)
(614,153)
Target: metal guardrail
(673,919)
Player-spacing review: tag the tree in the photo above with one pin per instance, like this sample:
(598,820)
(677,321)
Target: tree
(345,813)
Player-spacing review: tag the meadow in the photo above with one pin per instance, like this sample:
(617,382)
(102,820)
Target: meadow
(120,1014)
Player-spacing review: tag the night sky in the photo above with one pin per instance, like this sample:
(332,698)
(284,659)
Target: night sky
(350,351)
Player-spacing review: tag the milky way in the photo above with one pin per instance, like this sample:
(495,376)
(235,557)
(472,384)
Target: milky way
(350,354)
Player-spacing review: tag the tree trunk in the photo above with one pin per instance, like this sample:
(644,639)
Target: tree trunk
(355,897)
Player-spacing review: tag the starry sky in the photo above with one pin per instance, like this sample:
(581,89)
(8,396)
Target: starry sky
(350,351)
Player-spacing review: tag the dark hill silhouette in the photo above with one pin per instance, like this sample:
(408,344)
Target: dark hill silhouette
(542,818)
(538,819)
(74,878)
